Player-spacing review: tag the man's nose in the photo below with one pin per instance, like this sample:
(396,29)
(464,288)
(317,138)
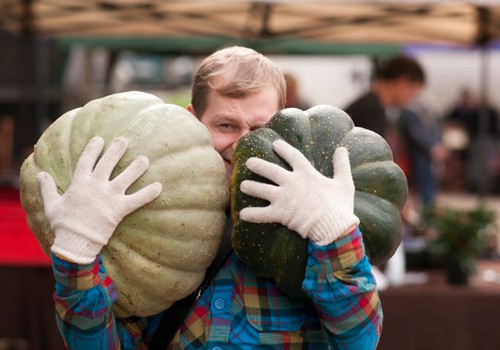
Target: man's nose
(243,133)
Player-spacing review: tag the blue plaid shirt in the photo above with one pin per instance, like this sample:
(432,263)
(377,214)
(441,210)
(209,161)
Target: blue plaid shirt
(238,310)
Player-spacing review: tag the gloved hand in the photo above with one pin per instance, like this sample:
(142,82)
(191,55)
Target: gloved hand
(304,200)
(85,216)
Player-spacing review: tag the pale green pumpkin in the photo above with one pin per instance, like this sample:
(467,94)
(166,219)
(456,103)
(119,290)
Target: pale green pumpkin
(159,253)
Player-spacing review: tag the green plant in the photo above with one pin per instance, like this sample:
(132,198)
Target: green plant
(159,253)
(272,250)
(460,235)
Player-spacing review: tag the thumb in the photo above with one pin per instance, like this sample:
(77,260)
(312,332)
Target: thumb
(48,187)
(342,166)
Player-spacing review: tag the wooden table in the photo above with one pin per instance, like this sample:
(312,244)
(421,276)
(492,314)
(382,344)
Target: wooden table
(27,316)
(439,316)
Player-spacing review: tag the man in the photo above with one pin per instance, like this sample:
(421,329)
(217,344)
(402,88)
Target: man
(235,91)
(396,82)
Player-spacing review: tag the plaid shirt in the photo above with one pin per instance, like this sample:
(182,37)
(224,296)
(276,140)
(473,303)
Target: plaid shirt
(238,310)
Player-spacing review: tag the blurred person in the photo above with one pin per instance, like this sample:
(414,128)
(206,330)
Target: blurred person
(466,114)
(396,82)
(293,98)
(235,91)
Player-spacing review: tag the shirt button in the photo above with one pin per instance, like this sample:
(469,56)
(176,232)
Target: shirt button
(309,249)
(219,305)
(216,348)
(310,261)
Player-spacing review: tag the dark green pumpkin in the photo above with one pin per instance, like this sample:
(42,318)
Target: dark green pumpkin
(272,250)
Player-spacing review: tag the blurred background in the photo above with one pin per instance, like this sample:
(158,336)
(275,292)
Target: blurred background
(58,55)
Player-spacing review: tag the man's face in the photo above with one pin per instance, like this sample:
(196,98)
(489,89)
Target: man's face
(406,90)
(228,119)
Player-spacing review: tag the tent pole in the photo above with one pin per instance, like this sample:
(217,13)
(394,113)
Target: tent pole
(25,54)
(482,40)
(483,124)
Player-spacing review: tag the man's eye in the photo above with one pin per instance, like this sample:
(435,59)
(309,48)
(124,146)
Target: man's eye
(227,127)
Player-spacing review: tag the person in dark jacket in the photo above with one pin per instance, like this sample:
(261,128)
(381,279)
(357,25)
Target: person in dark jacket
(396,82)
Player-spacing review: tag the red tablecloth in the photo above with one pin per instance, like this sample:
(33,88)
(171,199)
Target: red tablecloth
(18,245)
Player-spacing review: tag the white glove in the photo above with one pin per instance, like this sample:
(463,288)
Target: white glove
(85,216)
(316,207)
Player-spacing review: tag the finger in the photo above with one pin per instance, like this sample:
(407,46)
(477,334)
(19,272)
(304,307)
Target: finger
(266,169)
(259,190)
(110,158)
(90,154)
(131,173)
(258,215)
(342,167)
(144,195)
(290,154)
(48,187)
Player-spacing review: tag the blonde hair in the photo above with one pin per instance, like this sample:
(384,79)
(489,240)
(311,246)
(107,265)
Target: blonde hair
(235,72)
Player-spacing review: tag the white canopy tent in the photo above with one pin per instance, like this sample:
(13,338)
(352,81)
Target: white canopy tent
(472,23)
(381,21)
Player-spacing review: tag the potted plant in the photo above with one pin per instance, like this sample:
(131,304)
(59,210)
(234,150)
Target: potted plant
(460,236)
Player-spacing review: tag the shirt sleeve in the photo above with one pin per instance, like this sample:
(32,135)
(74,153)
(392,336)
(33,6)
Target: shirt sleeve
(339,281)
(415,129)
(84,296)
